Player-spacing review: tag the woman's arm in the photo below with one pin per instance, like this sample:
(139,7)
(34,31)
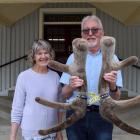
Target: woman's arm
(14,130)
(59,135)
(17,107)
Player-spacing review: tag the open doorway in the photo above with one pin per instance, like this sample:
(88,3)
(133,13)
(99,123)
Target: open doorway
(60,37)
(60,29)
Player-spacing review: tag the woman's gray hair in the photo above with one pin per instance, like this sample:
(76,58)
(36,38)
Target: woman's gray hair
(40,44)
(91,17)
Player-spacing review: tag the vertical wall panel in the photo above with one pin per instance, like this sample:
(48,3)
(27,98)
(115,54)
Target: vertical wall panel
(137,43)
(12,75)
(8,49)
(5,57)
(22,44)
(3,78)
(138,81)
(13,57)
(3,45)
(27,34)
(0,58)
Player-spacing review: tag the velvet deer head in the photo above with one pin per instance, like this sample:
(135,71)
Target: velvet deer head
(108,105)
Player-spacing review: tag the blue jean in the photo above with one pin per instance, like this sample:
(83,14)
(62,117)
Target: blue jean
(91,127)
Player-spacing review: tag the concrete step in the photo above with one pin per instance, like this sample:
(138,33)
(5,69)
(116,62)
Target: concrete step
(6,101)
(4,122)
(5,108)
(11,92)
(124,94)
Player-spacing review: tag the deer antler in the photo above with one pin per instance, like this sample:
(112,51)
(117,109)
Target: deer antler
(76,69)
(108,105)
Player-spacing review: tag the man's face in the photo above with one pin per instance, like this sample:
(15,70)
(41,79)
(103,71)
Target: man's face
(92,32)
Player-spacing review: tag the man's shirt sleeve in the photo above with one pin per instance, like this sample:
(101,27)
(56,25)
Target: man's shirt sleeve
(65,76)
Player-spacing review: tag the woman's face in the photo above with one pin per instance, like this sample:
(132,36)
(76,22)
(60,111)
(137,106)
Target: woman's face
(41,57)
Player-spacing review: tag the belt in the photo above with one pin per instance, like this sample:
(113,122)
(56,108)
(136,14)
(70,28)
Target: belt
(93,108)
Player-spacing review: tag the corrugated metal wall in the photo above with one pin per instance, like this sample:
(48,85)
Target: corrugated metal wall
(4,56)
(15,41)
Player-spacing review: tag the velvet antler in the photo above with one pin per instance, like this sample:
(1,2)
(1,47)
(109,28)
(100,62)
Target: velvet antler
(76,69)
(108,105)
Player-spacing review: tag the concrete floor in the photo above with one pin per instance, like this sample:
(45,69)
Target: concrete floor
(121,135)
(5,131)
(5,107)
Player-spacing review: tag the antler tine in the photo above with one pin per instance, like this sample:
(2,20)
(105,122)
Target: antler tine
(58,66)
(78,105)
(108,105)
(107,111)
(124,104)
(129,61)
(69,121)
(56,105)
(112,116)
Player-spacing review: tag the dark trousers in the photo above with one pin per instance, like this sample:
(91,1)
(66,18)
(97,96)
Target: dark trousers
(91,127)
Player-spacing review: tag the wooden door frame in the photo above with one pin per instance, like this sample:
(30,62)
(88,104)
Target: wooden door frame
(43,11)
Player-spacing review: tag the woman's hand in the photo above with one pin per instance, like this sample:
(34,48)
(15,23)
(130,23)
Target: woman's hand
(12,137)
(59,136)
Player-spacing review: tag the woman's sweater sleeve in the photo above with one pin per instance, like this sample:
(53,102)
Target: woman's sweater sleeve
(18,100)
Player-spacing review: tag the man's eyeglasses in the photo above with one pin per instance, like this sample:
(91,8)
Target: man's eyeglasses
(93,31)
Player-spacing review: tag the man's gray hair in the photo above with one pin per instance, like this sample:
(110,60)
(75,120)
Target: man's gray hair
(91,17)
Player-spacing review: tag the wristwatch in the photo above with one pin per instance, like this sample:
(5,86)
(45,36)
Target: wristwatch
(114,90)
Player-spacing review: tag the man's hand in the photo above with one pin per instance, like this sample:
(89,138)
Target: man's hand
(111,78)
(75,82)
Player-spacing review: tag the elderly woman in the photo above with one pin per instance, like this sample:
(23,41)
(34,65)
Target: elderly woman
(40,81)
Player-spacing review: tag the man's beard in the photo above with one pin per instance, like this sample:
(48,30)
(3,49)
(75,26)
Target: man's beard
(92,44)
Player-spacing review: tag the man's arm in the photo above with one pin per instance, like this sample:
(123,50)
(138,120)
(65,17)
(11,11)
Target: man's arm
(74,83)
(67,91)
(115,92)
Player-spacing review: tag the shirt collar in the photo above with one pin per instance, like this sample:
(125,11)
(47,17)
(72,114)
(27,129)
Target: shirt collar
(97,53)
